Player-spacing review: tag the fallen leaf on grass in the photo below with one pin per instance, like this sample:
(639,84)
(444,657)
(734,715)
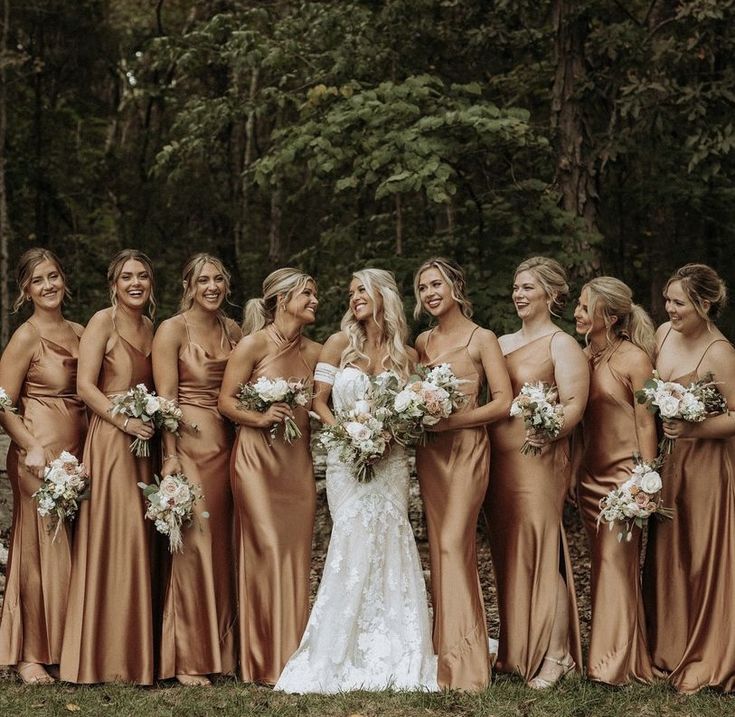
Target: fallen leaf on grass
(71,707)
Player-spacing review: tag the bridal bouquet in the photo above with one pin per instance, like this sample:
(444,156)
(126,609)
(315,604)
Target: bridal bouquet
(170,505)
(65,482)
(692,403)
(635,500)
(263,393)
(5,403)
(143,404)
(538,404)
(429,396)
(362,436)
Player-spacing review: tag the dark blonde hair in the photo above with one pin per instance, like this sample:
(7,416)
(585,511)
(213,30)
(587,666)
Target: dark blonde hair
(701,283)
(24,273)
(453,274)
(190,275)
(115,269)
(623,318)
(552,277)
(262,311)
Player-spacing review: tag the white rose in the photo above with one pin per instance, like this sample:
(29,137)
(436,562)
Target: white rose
(362,407)
(279,389)
(668,406)
(357,431)
(515,409)
(152,405)
(403,400)
(651,482)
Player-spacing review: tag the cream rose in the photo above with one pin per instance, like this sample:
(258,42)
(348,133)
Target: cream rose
(651,482)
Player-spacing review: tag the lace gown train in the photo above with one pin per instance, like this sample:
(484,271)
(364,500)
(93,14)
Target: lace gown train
(369,627)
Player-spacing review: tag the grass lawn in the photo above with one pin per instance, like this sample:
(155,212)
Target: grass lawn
(508,696)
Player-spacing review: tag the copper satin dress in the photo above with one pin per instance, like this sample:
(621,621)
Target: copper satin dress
(453,473)
(524,507)
(32,621)
(275,499)
(199,607)
(109,625)
(618,652)
(689,578)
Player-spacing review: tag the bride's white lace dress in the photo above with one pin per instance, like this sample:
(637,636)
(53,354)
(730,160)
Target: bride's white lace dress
(369,627)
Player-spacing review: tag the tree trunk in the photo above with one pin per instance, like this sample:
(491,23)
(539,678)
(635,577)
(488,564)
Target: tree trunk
(576,166)
(275,248)
(399,225)
(4,222)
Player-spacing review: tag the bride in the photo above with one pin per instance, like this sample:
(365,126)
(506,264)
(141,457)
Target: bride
(369,627)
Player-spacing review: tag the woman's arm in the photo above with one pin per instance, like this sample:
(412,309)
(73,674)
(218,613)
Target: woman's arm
(239,370)
(498,382)
(331,354)
(638,370)
(92,347)
(14,364)
(720,362)
(572,377)
(165,354)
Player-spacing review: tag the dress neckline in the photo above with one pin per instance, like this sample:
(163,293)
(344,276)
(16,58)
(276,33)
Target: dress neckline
(56,343)
(533,341)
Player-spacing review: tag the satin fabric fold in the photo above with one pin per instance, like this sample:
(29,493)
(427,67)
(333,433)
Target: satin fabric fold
(524,509)
(109,624)
(38,568)
(453,473)
(689,582)
(618,652)
(275,499)
(199,613)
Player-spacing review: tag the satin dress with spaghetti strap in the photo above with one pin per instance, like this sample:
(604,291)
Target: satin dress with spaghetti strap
(109,625)
(33,612)
(275,499)
(524,508)
(453,474)
(689,581)
(618,653)
(200,600)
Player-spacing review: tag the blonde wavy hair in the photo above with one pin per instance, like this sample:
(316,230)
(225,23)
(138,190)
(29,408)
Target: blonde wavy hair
(623,318)
(453,274)
(391,318)
(115,269)
(190,275)
(552,277)
(24,274)
(284,282)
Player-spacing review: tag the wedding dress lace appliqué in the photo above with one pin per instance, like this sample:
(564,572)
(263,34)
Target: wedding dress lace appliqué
(369,627)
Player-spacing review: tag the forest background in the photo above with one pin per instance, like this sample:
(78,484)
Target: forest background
(330,135)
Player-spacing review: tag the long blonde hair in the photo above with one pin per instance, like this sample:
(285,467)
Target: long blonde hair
(395,330)
(190,275)
(115,269)
(27,265)
(552,277)
(614,300)
(262,311)
(453,274)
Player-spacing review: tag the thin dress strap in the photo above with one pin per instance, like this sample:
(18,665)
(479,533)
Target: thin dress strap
(706,350)
(428,338)
(471,335)
(666,337)
(186,326)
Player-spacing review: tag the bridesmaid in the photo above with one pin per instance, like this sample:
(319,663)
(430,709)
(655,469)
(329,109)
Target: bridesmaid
(689,581)
(453,471)
(539,630)
(109,625)
(38,368)
(272,481)
(190,352)
(620,346)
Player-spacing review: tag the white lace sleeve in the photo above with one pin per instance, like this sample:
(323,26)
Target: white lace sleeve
(325,373)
